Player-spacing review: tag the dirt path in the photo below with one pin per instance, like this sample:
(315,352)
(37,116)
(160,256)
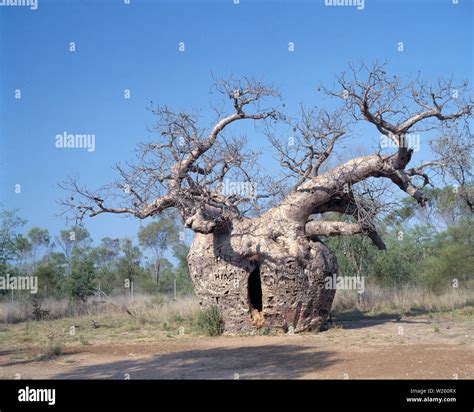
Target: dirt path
(415,348)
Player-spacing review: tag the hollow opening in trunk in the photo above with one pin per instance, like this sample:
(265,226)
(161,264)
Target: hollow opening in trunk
(255,290)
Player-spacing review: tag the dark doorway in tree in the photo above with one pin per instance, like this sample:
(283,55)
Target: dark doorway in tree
(255,290)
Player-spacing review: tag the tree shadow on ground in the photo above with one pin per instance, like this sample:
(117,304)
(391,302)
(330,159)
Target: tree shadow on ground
(261,362)
(30,359)
(357,319)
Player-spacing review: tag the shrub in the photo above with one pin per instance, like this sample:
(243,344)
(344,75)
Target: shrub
(54,344)
(83,340)
(38,312)
(53,350)
(210,321)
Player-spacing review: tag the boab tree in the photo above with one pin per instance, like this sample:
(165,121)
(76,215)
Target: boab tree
(257,251)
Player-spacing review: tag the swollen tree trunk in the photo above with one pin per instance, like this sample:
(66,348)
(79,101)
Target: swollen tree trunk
(263,273)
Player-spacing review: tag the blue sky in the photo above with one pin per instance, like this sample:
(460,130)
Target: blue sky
(135,47)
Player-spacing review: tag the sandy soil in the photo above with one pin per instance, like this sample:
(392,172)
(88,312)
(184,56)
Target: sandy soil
(412,348)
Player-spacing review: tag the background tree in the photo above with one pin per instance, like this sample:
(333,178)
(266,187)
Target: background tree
(10,224)
(51,270)
(39,241)
(105,256)
(159,237)
(128,265)
(68,239)
(453,257)
(23,253)
(82,280)
(183,280)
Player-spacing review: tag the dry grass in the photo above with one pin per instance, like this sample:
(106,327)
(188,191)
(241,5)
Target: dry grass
(141,320)
(162,310)
(151,319)
(408,299)
(142,307)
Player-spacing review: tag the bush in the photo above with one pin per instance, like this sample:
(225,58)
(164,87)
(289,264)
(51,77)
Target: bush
(38,312)
(453,259)
(210,321)
(53,350)
(83,277)
(54,345)
(83,340)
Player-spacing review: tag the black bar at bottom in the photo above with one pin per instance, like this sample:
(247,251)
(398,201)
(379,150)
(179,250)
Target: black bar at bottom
(243,394)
